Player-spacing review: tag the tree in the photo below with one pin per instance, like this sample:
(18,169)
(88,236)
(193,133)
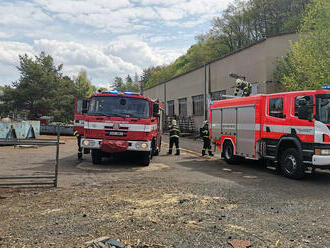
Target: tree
(129,79)
(136,78)
(307,64)
(42,89)
(38,82)
(120,86)
(83,85)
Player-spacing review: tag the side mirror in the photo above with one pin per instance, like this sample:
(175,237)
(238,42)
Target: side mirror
(155,110)
(84,106)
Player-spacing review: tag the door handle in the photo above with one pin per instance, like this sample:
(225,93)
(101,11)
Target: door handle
(267,129)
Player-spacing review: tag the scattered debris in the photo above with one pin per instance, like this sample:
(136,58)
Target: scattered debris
(115,243)
(236,243)
(26,146)
(106,242)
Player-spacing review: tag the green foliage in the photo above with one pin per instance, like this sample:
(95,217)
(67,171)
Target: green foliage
(307,64)
(242,23)
(83,85)
(43,90)
(120,86)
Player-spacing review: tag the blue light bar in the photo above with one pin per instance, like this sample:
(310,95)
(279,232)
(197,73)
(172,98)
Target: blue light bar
(130,93)
(113,92)
(326,87)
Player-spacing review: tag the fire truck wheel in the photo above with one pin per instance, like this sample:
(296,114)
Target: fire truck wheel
(96,156)
(146,158)
(292,165)
(228,153)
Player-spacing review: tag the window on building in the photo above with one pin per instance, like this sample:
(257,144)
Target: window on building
(183,107)
(170,108)
(198,105)
(217,95)
(276,107)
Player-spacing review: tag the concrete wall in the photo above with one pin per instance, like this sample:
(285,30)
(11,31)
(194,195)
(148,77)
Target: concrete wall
(275,48)
(249,62)
(256,62)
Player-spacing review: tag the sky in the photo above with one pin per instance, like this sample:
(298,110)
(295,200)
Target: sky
(106,38)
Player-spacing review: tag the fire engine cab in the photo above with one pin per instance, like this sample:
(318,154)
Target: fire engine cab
(291,129)
(110,123)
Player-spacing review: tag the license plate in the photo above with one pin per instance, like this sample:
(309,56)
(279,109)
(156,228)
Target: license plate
(115,133)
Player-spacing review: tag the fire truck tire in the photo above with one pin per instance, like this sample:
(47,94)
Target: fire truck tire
(292,165)
(96,156)
(146,158)
(228,153)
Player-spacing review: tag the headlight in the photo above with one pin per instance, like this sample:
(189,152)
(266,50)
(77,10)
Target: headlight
(137,145)
(89,143)
(322,151)
(144,145)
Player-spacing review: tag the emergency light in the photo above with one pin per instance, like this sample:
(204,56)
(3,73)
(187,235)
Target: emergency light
(326,87)
(113,92)
(130,93)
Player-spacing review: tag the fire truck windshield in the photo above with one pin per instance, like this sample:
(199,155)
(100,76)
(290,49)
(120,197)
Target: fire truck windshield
(119,106)
(323,108)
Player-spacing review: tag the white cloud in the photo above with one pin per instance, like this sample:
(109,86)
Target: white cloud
(75,7)
(22,15)
(89,34)
(75,56)
(122,15)
(102,63)
(168,14)
(9,52)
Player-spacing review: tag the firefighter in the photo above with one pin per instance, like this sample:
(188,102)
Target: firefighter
(76,133)
(246,87)
(204,133)
(174,138)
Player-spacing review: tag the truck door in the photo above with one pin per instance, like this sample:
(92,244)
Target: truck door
(275,117)
(246,127)
(302,126)
(79,116)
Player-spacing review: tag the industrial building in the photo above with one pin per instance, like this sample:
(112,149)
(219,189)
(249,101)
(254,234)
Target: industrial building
(188,94)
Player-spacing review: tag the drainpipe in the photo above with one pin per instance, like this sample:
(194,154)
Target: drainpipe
(205,93)
(165,99)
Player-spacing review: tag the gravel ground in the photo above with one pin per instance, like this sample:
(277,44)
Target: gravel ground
(178,201)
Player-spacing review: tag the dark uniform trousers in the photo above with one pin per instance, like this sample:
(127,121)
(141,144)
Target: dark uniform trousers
(204,133)
(174,139)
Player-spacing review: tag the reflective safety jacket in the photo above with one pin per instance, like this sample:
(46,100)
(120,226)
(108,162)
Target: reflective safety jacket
(204,131)
(174,131)
(76,133)
(246,87)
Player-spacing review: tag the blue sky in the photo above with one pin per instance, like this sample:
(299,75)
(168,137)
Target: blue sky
(107,38)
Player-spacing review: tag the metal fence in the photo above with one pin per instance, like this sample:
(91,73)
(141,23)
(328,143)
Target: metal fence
(45,180)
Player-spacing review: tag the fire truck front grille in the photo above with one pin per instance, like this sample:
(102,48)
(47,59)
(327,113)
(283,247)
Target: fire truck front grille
(111,128)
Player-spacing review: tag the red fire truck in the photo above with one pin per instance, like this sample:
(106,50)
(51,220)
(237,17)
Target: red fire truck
(291,129)
(111,123)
